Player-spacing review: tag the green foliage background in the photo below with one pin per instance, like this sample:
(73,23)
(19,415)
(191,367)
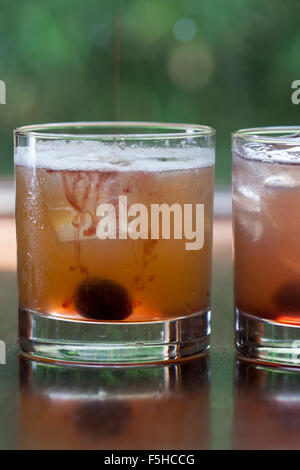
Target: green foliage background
(57,59)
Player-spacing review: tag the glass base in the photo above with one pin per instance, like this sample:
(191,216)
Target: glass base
(51,338)
(259,340)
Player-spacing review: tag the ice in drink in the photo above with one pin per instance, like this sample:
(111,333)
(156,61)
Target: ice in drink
(66,271)
(266,217)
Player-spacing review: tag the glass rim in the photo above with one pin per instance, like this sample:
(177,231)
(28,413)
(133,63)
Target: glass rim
(176,131)
(268,134)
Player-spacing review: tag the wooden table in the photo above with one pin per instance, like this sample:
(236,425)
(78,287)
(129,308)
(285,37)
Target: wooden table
(212,403)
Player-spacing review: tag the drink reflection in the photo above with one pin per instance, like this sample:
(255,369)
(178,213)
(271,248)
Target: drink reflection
(266,407)
(114,408)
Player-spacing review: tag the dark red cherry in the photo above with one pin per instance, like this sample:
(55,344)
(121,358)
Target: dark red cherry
(102,299)
(287,298)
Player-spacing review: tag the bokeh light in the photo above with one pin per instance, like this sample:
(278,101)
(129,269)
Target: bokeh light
(226,64)
(184,30)
(191,66)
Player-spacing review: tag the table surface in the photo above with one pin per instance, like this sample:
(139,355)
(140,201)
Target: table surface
(216,402)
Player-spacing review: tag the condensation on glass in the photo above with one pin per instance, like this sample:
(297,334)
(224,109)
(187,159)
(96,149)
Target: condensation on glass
(97,281)
(266,226)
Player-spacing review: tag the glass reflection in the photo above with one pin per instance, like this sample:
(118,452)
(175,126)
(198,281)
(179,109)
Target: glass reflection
(266,407)
(78,407)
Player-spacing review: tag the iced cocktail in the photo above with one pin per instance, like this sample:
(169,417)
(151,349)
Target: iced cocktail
(266,218)
(114,227)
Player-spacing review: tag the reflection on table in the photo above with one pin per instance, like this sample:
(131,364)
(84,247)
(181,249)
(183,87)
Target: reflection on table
(77,407)
(266,407)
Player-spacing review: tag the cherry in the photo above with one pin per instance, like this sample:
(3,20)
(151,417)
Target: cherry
(102,299)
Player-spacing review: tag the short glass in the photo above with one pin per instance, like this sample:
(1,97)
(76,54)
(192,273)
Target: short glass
(114,235)
(266,228)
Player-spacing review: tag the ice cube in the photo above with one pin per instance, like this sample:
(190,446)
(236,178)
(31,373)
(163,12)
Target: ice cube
(61,219)
(284,154)
(247,198)
(65,233)
(280,202)
(282,181)
(64,224)
(248,204)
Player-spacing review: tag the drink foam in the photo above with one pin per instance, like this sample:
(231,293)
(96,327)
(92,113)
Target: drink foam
(91,155)
(274,152)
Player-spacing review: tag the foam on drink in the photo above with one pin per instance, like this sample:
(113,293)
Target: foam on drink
(273,152)
(90,155)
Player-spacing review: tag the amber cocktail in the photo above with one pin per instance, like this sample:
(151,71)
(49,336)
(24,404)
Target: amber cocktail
(114,230)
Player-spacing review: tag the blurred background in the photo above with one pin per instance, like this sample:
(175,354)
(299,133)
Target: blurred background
(226,64)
